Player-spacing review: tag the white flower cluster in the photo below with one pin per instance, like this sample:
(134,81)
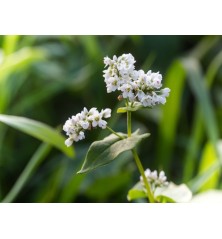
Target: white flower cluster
(154,179)
(75,126)
(136,86)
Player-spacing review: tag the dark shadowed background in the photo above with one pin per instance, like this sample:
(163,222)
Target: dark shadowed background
(50,78)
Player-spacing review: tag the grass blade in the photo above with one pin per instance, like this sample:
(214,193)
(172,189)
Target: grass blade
(197,128)
(36,159)
(38,130)
(175,80)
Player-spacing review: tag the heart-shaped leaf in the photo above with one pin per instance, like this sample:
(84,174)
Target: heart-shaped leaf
(138,191)
(105,151)
(173,193)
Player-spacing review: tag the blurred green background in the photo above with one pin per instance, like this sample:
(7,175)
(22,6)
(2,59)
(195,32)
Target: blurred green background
(50,78)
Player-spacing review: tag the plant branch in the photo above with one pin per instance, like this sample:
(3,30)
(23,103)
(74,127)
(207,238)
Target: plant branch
(112,131)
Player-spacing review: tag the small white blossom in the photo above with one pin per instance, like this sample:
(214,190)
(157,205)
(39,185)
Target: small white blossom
(75,126)
(84,124)
(127,91)
(125,64)
(154,179)
(165,92)
(97,120)
(107,61)
(106,113)
(154,80)
(147,100)
(69,142)
(112,84)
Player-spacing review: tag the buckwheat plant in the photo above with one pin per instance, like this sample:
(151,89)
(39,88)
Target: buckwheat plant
(138,90)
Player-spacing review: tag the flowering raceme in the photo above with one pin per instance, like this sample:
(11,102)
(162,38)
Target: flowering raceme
(75,126)
(139,89)
(135,86)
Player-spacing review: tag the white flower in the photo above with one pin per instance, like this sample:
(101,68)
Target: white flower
(135,86)
(154,179)
(125,64)
(127,91)
(112,84)
(92,111)
(84,124)
(106,113)
(165,92)
(75,126)
(80,136)
(84,113)
(140,95)
(160,99)
(107,61)
(97,120)
(162,178)
(69,142)
(147,100)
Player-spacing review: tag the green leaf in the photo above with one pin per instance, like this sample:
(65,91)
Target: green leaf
(173,193)
(38,130)
(135,107)
(196,183)
(20,60)
(196,81)
(210,196)
(203,177)
(9,43)
(138,191)
(197,130)
(175,80)
(105,151)
(41,153)
(209,157)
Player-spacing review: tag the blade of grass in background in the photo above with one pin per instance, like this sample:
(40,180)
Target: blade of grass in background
(175,80)
(19,60)
(9,44)
(170,112)
(196,81)
(49,192)
(209,157)
(193,145)
(15,62)
(196,183)
(149,61)
(38,130)
(197,128)
(92,47)
(33,163)
(71,189)
(204,46)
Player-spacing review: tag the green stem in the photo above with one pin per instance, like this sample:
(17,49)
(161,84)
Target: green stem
(141,170)
(36,159)
(138,162)
(112,131)
(129,127)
